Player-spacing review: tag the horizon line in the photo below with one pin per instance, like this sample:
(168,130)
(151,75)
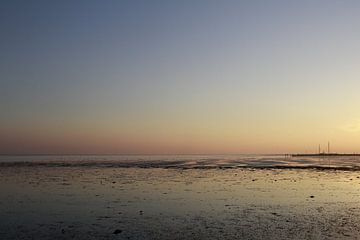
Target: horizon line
(130,154)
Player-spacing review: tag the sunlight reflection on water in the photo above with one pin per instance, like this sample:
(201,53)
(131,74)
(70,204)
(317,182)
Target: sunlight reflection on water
(185,161)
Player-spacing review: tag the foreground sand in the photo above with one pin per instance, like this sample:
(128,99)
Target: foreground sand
(38,202)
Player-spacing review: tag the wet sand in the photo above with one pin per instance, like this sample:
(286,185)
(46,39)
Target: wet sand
(92,202)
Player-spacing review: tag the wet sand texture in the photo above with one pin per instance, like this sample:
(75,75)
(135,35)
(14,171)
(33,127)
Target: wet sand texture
(82,202)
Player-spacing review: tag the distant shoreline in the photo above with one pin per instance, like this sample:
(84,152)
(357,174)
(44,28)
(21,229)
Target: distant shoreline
(325,155)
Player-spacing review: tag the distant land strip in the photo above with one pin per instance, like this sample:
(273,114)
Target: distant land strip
(325,155)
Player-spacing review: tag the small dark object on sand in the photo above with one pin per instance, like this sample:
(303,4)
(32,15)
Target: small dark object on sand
(311,196)
(141,212)
(117,231)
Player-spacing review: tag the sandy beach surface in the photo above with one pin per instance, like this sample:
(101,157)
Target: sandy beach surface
(42,200)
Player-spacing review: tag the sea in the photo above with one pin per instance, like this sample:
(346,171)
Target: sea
(198,161)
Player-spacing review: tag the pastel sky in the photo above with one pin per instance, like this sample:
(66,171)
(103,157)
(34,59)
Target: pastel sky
(186,76)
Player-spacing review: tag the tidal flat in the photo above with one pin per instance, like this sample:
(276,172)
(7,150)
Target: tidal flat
(97,202)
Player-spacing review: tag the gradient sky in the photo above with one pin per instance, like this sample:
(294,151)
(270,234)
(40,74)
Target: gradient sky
(179,76)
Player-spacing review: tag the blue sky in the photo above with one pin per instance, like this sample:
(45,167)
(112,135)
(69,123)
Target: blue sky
(178,76)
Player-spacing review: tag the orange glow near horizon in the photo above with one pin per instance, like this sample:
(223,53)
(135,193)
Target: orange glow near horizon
(192,137)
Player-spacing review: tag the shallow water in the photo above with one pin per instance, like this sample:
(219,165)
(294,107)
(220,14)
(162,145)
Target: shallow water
(146,199)
(185,161)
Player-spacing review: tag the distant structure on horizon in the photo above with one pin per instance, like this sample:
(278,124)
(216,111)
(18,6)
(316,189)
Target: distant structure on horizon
(328,149)
(323,153)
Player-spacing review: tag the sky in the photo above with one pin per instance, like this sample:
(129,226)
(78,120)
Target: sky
(179,77)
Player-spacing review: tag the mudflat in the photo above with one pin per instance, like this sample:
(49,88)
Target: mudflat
(93,202)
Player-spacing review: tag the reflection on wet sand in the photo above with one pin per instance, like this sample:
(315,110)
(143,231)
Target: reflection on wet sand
(89,202)
(349,163)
